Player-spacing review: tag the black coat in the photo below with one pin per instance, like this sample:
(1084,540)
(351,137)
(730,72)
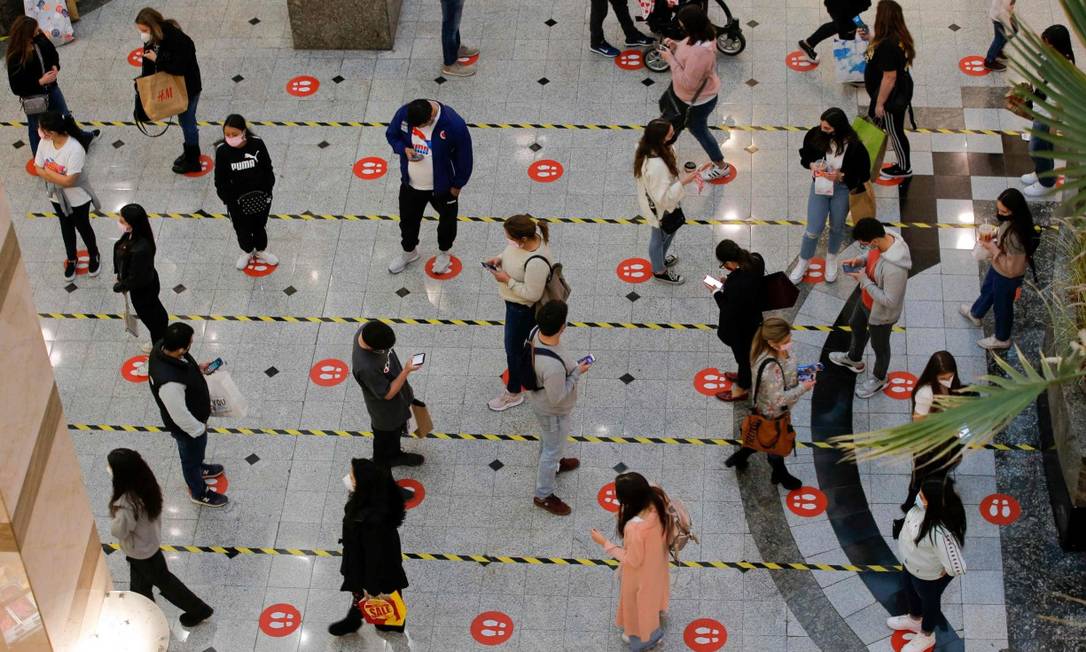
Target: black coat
(740,302)
(372,560)
(176,54)
(23,77)
(134,264)
(856,164)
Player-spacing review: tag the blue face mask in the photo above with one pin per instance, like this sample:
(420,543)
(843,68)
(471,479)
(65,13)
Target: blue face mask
(919,503)
(864,248)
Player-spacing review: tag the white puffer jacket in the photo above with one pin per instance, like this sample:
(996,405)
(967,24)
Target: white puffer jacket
(936,553)
(666,190)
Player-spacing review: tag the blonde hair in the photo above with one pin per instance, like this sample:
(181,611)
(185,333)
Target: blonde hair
(772,330)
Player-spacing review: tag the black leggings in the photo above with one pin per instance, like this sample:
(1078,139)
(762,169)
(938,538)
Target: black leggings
(251,230)
(923,598)
(78,220)
(894,124)
(599,12)
(145,574)
(842,26)
(150,310)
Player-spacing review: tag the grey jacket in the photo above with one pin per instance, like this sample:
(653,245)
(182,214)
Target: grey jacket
(888,289)
(558,380)
(139,537)
(62,200)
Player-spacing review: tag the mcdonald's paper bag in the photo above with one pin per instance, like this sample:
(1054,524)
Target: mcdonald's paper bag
(226,399)
(162,95)
(386,610)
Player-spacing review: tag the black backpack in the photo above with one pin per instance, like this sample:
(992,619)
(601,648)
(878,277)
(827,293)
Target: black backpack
(528,352)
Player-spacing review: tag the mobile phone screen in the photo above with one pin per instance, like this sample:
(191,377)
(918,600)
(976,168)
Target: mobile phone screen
(588,359)
(712,282)
(489,266)
(214,365)
(418,359)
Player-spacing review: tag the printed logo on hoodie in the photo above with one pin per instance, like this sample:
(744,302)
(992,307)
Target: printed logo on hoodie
(247,162)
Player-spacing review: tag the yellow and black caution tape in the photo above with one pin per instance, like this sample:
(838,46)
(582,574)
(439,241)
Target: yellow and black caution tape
(411,321)
(485,560)
(526,125)
(469,436)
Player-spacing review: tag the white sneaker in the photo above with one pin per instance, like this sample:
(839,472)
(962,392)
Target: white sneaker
(870,387)
(505,400)
(146,347)
(966,310)
(799,271)
(992,344)
(716,172)
(266,257)
(442,263)
(920,643)
(831,268)
(400,263)
(841,359)
(1029,179)
(1037,190)
(243,260)
(904,623)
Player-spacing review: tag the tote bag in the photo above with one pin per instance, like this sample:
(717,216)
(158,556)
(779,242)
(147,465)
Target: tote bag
(131,326)
(162,95)
(874,140)
(386,610)
(849,61)
(862,204)
(227,401)
(770,435)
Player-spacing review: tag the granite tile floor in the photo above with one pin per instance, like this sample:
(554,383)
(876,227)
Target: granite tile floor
(285,486)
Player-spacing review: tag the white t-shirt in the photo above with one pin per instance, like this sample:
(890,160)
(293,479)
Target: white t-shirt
(924,398)
(834,159)
(420,174)
(66,160)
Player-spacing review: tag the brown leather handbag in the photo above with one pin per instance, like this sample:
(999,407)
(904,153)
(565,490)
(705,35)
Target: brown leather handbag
(769,435)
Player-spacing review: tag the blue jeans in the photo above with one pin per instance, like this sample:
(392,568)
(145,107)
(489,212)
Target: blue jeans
(553,431)
(637,645)
(818,208)
(451,11)
(187,120)
(519,322)
(997,292)
(699,129)
(1041,165)
(56,103)
(998,41)
(659,243)
(191,450)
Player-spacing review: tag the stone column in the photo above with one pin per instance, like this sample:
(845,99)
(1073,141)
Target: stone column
(52,568)
(344,24)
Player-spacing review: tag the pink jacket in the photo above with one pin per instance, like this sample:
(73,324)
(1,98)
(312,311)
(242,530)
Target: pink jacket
(690,65)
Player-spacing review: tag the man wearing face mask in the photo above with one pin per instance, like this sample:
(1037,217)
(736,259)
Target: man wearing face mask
(882,273)
(180,390)
(383,380)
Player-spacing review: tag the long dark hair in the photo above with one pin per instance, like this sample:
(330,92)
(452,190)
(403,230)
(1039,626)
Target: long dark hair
(1059,39)
(728,251)
(695,24)
(235,121)
(890,26)
(56,123)
(654,143)
(940,362)
(21,40)
(1021,218)
(133,478)
(137,219)
(944,508)
(843,133)
(376,497)
(635,494)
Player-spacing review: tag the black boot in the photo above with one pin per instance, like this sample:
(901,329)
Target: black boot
(190,161)
(348,625)
(180,160)
(781,475)
(739,458)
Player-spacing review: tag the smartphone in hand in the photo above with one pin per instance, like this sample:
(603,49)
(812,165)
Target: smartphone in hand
(712,282)
(489,266)
(588,359)
(418,359)
(213,366)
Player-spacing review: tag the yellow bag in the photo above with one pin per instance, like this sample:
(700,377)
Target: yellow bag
(388,611)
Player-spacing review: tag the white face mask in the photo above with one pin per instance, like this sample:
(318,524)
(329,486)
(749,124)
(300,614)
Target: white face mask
(145,37)
(347,482)
(947,382)
(919,503)
(109,470)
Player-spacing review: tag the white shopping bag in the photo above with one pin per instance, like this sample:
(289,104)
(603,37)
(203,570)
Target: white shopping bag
(848,60)
(226,399)
(53,19)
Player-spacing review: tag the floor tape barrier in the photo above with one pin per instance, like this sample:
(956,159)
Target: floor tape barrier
(467,436)
(234,551)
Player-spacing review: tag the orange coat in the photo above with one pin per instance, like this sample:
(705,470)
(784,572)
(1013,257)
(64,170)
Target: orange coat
(643,575)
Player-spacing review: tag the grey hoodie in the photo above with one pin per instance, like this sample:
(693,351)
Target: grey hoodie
(888,289)
(139,537)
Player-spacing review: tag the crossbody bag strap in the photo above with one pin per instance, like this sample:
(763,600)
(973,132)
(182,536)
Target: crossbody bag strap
(40,60)
(758,380)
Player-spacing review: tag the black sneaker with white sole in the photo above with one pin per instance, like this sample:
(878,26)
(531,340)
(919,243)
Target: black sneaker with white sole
(94,266)
(640,39)
(210,471)
(670,278)
(808,50)
(896,172)
(69,271)
(211,499)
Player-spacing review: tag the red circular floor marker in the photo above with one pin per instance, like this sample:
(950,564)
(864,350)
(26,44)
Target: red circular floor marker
(468,61)
(303,86)
(711,381)
(901,638)
(492,628)
(370,168)
(545,170)
(634,270)
(900,385)
(219,485)
(135,57)
(280,619)
(257,268)
(416,486)
(630,60)
(888,181)
(816,271)
(799,62)
(607,497)
(30,168)
(973,66)
(806,501)
(705,635)
(454,269)
(727,178)
(206,165)
(1000,509)
(134,369)
(329,372)
(82,262)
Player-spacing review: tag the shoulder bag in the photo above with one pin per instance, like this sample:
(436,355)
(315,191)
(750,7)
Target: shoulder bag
(36,104)
(675,110)
(131,325)
(669,221)
(254,203)
(774,436)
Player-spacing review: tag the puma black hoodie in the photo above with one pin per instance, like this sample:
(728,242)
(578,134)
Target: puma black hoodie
(239,170)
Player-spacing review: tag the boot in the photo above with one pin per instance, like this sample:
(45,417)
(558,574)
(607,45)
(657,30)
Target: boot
(190,162)
(348,625)
(781,475)
(739,458)
(180,160)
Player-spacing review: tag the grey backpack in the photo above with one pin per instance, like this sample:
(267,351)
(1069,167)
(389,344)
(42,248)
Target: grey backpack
(556,286)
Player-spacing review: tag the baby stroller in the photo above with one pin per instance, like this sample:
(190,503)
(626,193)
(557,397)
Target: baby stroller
(660,17)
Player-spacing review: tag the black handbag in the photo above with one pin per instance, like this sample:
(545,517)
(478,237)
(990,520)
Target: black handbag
(675,110)
(778,292)
(253,203)
(672,220)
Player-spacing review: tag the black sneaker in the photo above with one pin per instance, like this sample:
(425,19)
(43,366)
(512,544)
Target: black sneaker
(995,66)
(211,499)
(606,49)
(69,270)
(407,459)
(808,50)
(640,39)
(94,135)
(895,172)
(670,277)
(211,471)
(194,618)
(94,267)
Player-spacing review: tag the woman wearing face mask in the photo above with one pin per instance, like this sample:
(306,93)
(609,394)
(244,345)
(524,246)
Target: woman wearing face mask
(776,389)
(939,378)
(839,165)
(521,271)
(167,49)
(740,303)
(135,508)
(1040,182)
(930,549)
(59,162)
(372,563)
(1010,250)
(33,64)
(134,265)
(243,181)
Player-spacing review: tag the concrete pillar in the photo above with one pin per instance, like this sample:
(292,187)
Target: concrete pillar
(344,24)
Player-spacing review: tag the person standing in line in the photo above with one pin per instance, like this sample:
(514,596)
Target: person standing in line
(644,573)
(180,390)
(60,162)
(33,67)
(740,303)
(1010,250)
(693,66)
(1038,183)
(660,189)
(244,178)
(134,266)
(888,81)
(843,15)
(383,380)
(839,165)
(939,378)
(882,274)
(372,563)
(597,42)
(451,48)
(776,389)
(135,508)
(930,549)
(521,271)
(556,375)
(168,49)
(435,164)
(1001,14)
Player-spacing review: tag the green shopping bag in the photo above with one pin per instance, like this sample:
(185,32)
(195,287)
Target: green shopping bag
(874,139)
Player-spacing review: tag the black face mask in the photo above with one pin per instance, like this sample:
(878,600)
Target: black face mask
(1003,218)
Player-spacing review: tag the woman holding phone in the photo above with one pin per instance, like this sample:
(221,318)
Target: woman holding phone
(739,298)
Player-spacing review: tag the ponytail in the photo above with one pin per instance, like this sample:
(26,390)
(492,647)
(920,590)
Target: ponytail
(727,251)
(772,330)
(524,226)
(59,124)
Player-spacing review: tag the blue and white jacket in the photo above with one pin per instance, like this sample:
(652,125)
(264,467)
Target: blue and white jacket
(451,148)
